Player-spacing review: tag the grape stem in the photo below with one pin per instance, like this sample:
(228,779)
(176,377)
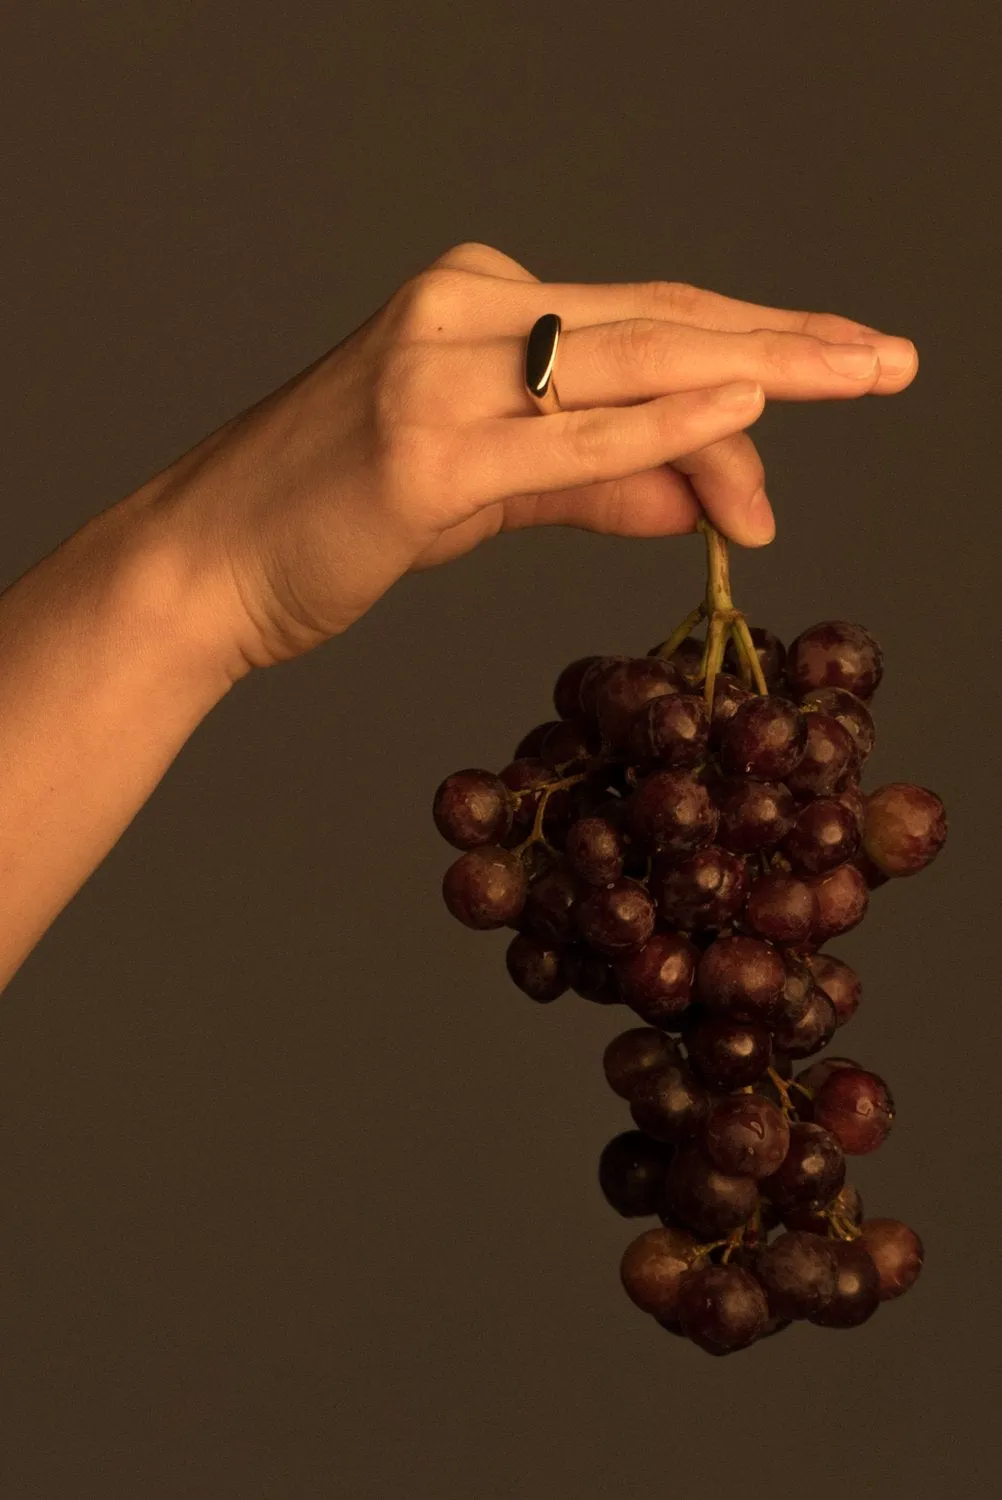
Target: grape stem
(536,836)
(783,1090)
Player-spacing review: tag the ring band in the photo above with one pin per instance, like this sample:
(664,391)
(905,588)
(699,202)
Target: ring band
(540,360)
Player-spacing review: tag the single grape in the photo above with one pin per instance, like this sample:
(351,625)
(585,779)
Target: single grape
(836,654)
(656,981)
(590,975)
(631,1174)
(850,711)
(701,890)
(746,1135)
(854,801)
(741,977)
(594,851)
(754,815)
(842,899)
(829,758)
(795,1001)
(813,1077)
(624,690)
(857,1288)
(897,1253)
(616,918)
(781,908)
(672,813)
(771,655)
(798,1272)
(904,828)
(653,1267)
(635,1055)
(473,808)
(728,1054)
(486,887)
(811,1031)
(840,983)
(530,745)
(567,690)
(722,1308)
(569,746)
(671,730)
(687,657)
(813,1169)
(537,968)
(708,1201)
(729,692)
(589,684)
(551,905)
(669,1105)
(813,1217)
(764,740)
(857,1107)
(825,835)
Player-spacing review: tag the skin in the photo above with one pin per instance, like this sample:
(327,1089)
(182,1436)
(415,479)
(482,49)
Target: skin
(400,449)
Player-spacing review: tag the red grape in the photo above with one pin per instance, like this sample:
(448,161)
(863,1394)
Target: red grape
(840,983)
(708,1201)
(897,1253)
(672,813)
(857,1288)
(729,1054)
(857,1107)
(835,654)
(537,968)
(765,739)
(722,1308)
(486,887)
(654,1266)
(904,828)
(472,808)
(700,890)
(813,1169)
(746,1135)
(741,977)
(656,981)
(631,1174)
(634,1055)
(798,1272)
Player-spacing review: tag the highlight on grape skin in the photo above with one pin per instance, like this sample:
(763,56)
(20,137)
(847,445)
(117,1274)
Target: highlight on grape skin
(682,842)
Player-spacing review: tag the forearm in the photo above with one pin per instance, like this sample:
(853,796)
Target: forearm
(107,666)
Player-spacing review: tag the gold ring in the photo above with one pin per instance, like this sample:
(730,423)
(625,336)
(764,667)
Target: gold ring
(540,359)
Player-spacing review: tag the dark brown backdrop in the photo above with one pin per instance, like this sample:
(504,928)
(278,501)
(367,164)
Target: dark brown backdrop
(298,1193)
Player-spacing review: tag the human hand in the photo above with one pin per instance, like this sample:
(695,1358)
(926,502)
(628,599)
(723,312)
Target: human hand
(405,445)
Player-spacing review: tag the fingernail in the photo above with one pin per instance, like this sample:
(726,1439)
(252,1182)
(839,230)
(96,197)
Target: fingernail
(850,359)
(738,393)
(897,356)
(761,523)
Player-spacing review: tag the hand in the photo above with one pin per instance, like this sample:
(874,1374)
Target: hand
(408,443)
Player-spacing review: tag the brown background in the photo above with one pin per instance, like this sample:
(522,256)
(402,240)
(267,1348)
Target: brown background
(298,1193)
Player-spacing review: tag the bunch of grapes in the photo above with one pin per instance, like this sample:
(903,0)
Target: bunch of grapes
(682,839)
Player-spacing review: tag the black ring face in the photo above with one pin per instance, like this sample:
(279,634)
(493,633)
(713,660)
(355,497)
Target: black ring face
(541,353)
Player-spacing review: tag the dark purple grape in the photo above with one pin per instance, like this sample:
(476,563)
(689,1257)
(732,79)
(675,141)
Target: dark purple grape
(551,905)
(781,908)
(728,695)
(472,808)
(537,968)
(567,690)
(594,851)
(672,730)
(708,1201)
(653,1267)
(631,1174)
(799,1274)
(687,657)
(850,711)
(824,836)
(617,918)
(810,1216)
(811,1031)
(670,1105)
(897,1253)
(530,745)
(486,887)
(771,655)
(857,1107)
(835,654)
(764,740)
(590,682)
(904,828)
(812,1171)
(672,813)
(741,977)
(840,983)
(813,1077)
(746,1135)
(700,890)
(857,1288)
(793,1004)
(570,745)
(722,1308)
(590,975)
(842,899)
(635,1055)
(657,980)
(624,690)
(728,1054)
(829,758)
(754,815)
(854,800)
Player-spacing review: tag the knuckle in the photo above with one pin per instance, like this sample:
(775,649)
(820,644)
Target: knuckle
(777,351)
(467,254)
(429,302)
(676,296)
(590,441)
(641,342)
